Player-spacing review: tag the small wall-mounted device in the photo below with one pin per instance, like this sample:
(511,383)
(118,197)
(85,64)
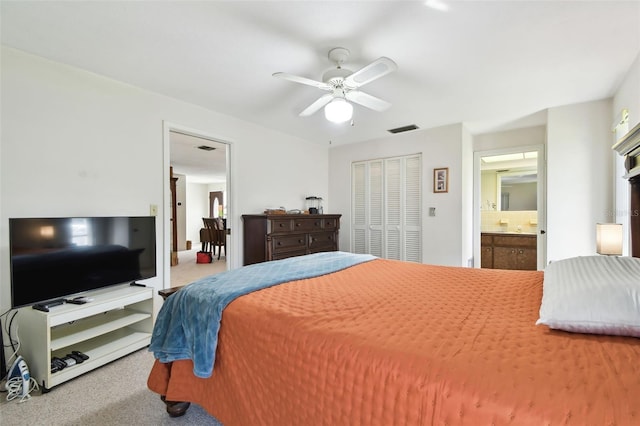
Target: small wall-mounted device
(432,211)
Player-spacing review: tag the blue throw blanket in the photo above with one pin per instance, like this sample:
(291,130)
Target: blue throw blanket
(188,322)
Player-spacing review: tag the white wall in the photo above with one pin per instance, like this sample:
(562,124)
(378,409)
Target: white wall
(628,95)
(526,136)
(579,177)
(440,147)
(75,143)
(197,208)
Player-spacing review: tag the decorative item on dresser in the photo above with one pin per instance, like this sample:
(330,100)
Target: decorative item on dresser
(271,237)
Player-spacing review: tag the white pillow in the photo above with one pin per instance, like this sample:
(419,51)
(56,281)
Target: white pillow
(592,294)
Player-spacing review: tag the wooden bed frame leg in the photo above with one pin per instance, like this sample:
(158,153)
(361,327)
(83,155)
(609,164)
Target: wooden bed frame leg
(175,408)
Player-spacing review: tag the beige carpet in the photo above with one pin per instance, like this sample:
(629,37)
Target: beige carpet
(115,394)
(187,270)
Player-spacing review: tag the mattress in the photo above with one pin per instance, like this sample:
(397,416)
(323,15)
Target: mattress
(389,342)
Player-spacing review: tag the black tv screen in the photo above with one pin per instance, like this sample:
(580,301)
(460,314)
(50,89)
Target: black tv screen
(53,258)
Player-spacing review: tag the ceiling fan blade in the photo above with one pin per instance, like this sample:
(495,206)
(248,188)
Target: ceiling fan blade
(303,80)
(319,103)
(367,100)
(376,69)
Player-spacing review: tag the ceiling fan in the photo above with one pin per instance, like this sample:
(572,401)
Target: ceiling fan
(343,85)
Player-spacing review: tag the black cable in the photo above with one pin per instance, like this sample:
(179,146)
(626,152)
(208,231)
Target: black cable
(11,341)
(4,368)
(8,323)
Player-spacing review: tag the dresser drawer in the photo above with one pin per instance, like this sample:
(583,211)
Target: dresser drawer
(281,225)
(330,224)
(308,223)
(287,243)
(322,241)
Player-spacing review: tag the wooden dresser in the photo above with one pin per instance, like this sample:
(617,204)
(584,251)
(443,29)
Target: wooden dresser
(278,236)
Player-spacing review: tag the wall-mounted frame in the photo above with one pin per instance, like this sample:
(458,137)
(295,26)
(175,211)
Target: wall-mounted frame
(441,180)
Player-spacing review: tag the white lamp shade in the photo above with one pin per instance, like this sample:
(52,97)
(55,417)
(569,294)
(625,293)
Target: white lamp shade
(338,111)
(609,238)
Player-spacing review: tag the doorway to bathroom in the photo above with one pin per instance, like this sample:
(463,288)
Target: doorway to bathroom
(509,208)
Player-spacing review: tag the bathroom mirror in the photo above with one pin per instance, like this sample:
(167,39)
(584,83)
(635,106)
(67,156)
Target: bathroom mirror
(517,190)
(509,182)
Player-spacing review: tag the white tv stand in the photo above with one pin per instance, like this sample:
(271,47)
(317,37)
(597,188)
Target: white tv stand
(118,321)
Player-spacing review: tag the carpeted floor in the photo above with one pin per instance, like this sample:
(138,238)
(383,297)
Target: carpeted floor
(115,394)
(187,270)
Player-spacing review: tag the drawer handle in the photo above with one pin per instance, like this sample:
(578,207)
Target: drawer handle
(520,251)
(316,223)
(302,241)
(297,223)
(281,225)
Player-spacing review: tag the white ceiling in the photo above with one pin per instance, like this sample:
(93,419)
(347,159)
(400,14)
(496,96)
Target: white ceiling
(484,63)
(197,165)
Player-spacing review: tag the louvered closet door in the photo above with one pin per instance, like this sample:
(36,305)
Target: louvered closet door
(393,208)
(412,211)
(367,193)
(375,207)
(386,208)
(359,173)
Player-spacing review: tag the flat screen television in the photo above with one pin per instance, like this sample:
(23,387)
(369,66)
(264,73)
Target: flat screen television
(54,258)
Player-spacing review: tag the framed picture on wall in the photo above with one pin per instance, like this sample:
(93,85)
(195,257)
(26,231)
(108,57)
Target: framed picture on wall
(441,180)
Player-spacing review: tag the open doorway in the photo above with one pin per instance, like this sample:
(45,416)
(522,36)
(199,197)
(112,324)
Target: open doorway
(509,208)
(198,165)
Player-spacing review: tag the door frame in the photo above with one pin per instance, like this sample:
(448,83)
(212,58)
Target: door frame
(167,127)
(541,240)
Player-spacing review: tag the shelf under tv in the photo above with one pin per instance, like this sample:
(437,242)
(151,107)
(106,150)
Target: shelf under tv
(118,321)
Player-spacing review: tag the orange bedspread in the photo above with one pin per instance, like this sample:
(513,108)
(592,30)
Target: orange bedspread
(396,343)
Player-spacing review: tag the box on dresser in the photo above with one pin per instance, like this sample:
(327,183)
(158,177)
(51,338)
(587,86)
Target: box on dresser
(278,236)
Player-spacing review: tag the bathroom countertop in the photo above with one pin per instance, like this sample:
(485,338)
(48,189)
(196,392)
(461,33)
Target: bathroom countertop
(532,234)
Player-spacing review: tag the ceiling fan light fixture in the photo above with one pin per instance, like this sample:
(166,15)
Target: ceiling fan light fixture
(338,111)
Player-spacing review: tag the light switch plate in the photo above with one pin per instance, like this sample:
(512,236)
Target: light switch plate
(153,210)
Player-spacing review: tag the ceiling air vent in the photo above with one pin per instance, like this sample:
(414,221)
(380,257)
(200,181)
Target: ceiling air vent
(206,148)
(403,129)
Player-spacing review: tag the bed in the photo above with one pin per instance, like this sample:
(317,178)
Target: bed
(383,342)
